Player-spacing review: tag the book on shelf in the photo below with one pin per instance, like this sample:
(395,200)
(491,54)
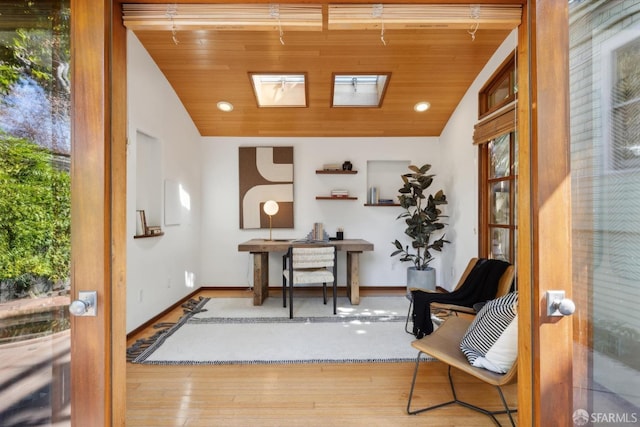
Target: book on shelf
(339,193)
(318,231)
(141,223)
(154,230)
(332,167)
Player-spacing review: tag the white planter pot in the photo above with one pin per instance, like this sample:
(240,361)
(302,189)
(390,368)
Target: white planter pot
(422,279)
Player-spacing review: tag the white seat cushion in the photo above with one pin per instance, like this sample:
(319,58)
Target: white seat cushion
(491,341)
(312,275)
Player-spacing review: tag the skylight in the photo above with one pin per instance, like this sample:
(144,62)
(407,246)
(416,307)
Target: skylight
(359,90)
(279,90)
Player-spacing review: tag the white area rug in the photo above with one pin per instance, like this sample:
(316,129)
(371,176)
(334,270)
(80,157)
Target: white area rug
(234,331)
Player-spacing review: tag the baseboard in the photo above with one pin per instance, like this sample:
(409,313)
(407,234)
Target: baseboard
(155,319)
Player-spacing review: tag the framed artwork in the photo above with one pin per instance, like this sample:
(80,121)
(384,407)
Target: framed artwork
(265,173)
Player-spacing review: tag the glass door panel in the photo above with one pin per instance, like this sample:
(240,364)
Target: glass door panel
(500,203)
(500,244)
(500,190)
(34,213)
(605,163)
(499,154)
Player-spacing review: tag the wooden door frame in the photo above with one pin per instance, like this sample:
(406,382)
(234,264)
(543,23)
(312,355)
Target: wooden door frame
(99,198)
(545,380)
(98,208)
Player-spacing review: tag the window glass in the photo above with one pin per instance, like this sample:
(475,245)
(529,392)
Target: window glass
(500,238)
(500,200)
(604,67)
(625,108)
(35,220)
(498,192)
(500,93)
(499,150)
(500,90)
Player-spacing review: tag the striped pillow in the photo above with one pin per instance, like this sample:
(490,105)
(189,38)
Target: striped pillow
(491,342)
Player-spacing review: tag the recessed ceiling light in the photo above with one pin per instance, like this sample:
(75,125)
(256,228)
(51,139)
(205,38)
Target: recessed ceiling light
(225,106)
(421,106)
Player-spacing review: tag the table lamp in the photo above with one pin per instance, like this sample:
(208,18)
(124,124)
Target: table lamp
(270,208)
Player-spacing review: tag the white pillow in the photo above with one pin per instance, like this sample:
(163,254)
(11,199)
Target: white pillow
(491,341)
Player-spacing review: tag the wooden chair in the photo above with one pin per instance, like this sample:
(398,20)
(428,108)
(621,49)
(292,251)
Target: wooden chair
(444,345)
(307,264)
(503,287)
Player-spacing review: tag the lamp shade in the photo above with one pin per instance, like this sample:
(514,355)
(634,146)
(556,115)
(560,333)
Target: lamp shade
(270,207)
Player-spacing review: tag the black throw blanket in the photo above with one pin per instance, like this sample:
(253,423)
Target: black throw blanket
(480,285)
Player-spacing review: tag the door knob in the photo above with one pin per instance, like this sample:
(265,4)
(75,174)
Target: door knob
(559,305)
(85,305)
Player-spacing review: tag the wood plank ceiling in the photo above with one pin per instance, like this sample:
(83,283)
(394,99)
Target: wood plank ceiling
(207,52)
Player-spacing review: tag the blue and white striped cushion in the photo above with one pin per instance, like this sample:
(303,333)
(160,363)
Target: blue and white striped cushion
(491,342)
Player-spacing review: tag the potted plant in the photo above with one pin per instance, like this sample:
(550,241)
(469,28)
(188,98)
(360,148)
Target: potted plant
(422,216)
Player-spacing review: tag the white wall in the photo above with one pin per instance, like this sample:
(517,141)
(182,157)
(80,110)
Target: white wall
(223,265)
(160,270)
(460,172)
(454,161)
(208,168)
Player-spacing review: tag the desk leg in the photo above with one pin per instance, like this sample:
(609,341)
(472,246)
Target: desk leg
(260,277)
(353,277)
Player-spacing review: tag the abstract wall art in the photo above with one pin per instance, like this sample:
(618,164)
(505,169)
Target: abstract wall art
(266,173)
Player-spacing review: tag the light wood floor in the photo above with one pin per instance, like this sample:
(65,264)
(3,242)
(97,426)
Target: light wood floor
(299,395)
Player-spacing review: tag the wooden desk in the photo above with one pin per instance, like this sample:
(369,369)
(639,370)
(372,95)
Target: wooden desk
(260,249)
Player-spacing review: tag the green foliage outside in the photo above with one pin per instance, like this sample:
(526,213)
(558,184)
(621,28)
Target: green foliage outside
(41,50)
(34,113)
(35,76)
(35,207)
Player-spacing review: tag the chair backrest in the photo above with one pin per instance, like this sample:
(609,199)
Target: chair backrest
(465,273)
(313,256)
(506,281)
(504,284)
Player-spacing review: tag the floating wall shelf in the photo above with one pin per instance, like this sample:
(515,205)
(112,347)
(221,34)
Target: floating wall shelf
(335,198)
(335,172)
(144,236)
